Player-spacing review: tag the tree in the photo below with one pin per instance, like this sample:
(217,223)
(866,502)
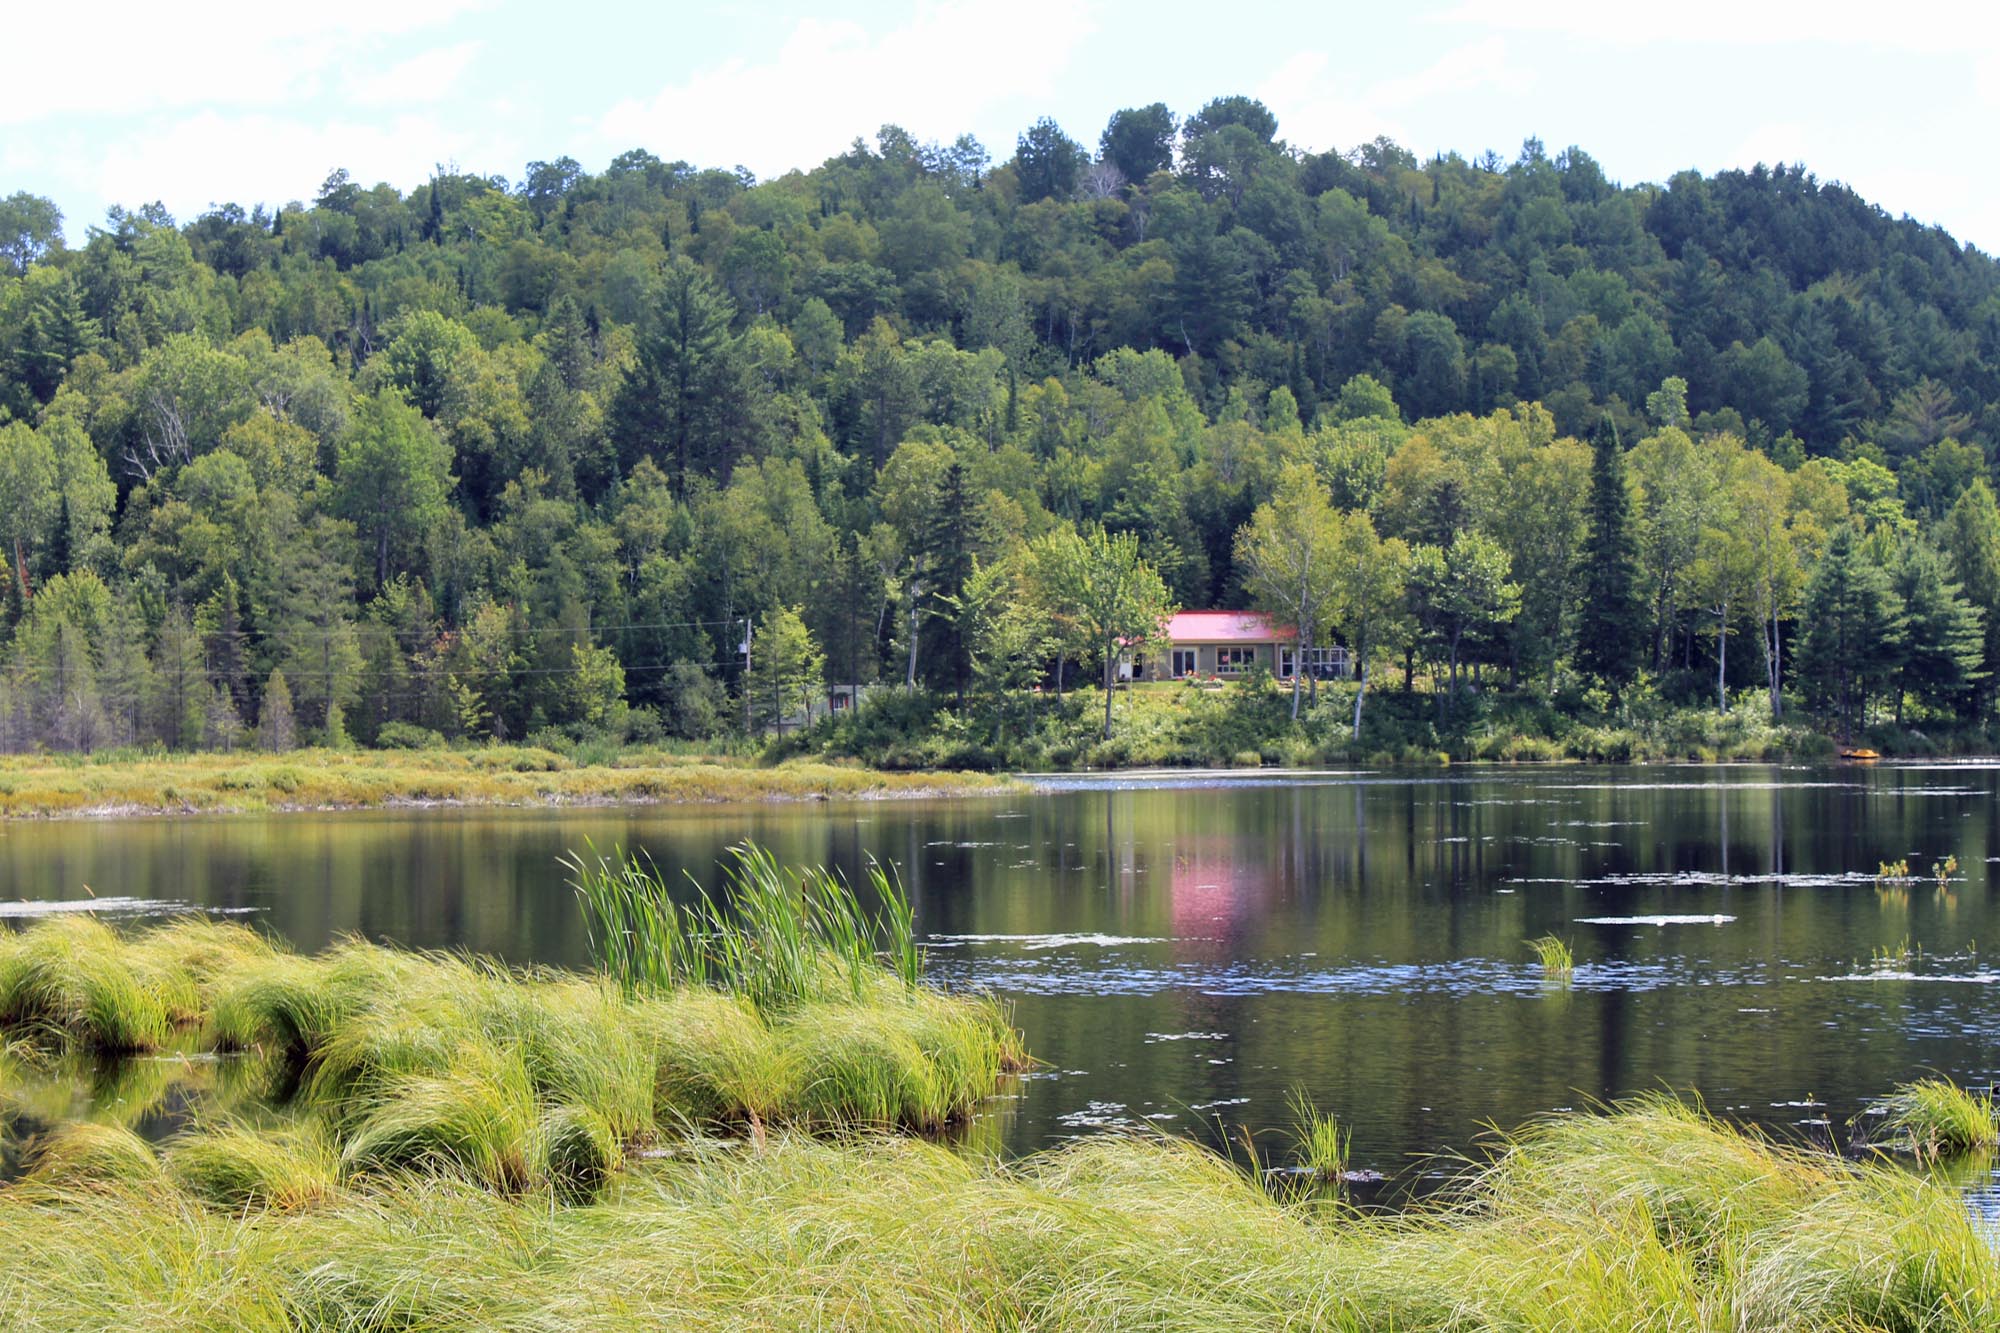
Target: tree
(1944,634)
(1609,628)
(29,227)
(1095,585)
(392,479)
(685,398)
(1007,635)
(1854,631)
(181,689)
(1139,141)
(1460,596)
(1287,556)
(1047,162)
(1971,539)
(1370,579)
(30,496)
(277,731)
(787,669)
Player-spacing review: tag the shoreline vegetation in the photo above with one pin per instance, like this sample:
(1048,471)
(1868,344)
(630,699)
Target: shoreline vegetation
(119,785)
(908,748)
(743,1129)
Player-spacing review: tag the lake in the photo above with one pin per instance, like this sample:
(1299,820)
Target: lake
(1185,950)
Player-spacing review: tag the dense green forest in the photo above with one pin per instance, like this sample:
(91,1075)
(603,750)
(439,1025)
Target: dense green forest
(509,459)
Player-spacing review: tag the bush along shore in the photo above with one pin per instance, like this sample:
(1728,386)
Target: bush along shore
(141,784)
(1247,723)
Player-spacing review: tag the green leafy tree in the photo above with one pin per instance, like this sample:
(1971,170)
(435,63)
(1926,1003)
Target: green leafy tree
(787,669)
(1369,587)
(1096,586)
(1611,622)
(1461,597)
(1288,557)
(392,480)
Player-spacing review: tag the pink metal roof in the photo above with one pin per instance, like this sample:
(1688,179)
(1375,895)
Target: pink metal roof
(1227,627)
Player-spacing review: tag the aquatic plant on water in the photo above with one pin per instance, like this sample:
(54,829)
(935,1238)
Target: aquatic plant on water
(774,935)
(1554,955)
(1321,1142)
(1935,1117)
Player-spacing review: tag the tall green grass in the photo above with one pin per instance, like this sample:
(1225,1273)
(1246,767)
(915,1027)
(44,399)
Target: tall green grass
(1558,964)
(1655,1217)
(1934,1117)
(776,936)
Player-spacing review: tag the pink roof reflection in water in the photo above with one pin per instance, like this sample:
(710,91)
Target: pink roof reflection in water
(1215,890)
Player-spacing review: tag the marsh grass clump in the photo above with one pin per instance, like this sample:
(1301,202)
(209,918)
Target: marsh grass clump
(236,1165)
(775,936)
(85,1153)
(1321,1143)
(1935,1117)
(1554,955)
(388,1063)
(1654,1216)
(477,1118)
(67,980)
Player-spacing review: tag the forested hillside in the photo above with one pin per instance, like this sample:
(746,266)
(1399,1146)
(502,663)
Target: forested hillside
(496,456)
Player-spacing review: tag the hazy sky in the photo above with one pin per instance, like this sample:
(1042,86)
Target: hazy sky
(256,102)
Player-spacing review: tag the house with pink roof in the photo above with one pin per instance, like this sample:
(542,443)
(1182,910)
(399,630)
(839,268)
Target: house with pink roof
(1231,643)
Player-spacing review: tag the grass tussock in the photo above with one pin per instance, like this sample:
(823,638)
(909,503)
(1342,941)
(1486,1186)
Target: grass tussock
(1558,964)
(387,1062)
(238,1166)
(48,786)
(91,1154)
(1934,1117)
(1322,1145)
(1653,1217)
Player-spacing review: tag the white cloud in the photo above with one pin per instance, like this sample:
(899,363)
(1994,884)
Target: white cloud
(1951,26)
(214,158)
(1318,108)
(431,76)
(140,55)
(939,75)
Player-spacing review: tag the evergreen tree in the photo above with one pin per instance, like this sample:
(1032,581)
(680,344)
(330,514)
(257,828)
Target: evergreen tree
(181,692)
(277,730)
(1854,631)
(1971,538)
(1945,634)
(1611,631)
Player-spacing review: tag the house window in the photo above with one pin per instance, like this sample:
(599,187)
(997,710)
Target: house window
(1286,664)
(1234,661)
(1184,662)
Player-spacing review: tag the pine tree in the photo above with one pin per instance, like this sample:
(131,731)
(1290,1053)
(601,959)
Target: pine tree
(1611,633)
(1854,631)
(277,730)
(1971,537)
(181,691)
(1943,643)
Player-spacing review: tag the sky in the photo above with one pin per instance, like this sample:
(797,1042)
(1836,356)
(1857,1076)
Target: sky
(258,102)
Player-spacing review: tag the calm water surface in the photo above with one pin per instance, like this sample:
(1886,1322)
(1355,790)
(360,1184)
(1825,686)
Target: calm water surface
(1186,950)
